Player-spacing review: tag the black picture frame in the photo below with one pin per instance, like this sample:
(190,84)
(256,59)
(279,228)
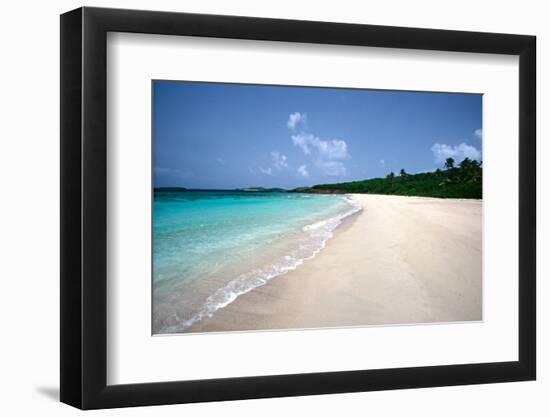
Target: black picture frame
(84,207)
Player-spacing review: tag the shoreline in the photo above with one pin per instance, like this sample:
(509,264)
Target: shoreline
(400,260)
(265,264)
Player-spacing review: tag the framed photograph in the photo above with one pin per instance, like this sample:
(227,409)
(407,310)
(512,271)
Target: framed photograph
(259,208)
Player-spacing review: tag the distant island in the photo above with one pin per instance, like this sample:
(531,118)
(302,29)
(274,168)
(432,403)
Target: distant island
(454,181)
(248,189)
(171,189)
(261,189)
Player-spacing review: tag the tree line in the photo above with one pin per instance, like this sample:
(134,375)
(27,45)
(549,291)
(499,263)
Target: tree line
(462,180)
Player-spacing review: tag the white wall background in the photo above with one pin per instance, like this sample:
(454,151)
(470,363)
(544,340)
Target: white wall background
(29,226)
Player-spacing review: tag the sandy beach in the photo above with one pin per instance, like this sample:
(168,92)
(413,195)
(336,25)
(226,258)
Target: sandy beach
(402,260)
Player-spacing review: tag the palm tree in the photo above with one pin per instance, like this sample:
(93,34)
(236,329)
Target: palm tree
(466,163)
(390,176)
(449,163)
(402,173)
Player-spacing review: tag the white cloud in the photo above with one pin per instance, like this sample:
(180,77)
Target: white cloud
(279,160)
(478,133)
(382,162)
(303,171)
(328,155)
(458,153)
(334,149)
(295,119)
(302,140)
(266,171)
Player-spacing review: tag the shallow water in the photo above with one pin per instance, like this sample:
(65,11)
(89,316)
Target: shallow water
(209,247)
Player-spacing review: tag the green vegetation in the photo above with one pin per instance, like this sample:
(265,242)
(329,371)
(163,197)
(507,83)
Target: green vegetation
(462,181)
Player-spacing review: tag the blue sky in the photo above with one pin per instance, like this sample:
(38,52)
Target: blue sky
(223,136)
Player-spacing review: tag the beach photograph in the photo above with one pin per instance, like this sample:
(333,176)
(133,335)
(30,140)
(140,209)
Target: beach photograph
(301,207)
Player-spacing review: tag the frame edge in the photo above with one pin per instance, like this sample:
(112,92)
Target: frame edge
(70,213)
(527,272)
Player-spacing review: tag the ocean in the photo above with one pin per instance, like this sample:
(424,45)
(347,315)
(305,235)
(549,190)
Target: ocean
(210,247)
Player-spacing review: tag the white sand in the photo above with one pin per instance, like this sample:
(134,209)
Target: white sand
(402,260)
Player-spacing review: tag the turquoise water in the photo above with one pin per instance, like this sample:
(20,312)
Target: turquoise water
(209,247)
